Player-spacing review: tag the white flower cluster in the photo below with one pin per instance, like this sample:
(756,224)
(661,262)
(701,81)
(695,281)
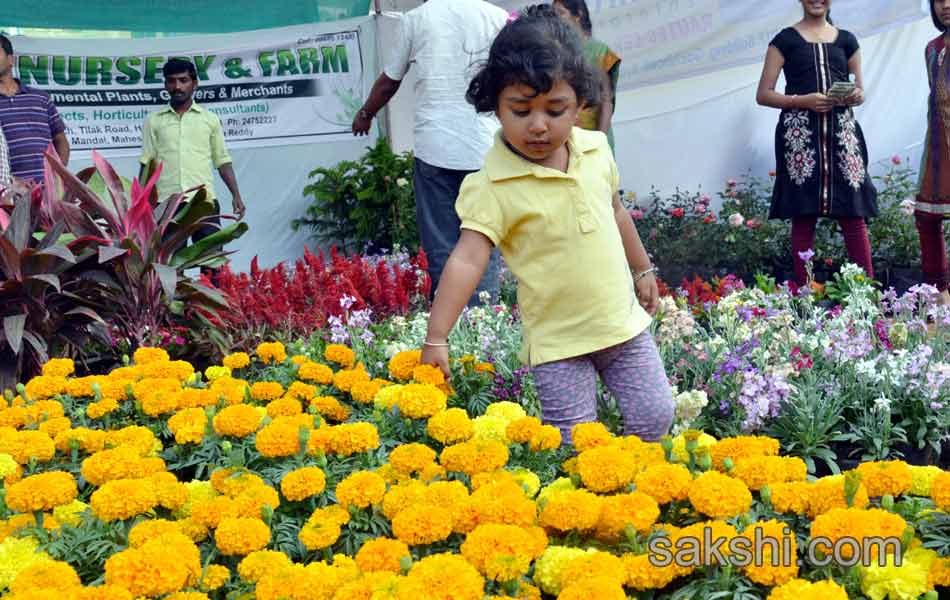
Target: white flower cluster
(687,406)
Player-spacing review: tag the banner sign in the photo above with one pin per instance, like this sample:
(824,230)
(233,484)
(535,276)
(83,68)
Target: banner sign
(664,40)
(298,89)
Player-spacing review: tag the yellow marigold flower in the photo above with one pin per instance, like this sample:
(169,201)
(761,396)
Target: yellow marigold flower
(361,489)
(922,478)
(59,367)
(502,552)
(198,491)
(179,370)
(52,575)
(605,588)
(126,374)
(124,462)
(230,391)
(301,391)
(428,374)
(907,578)
(799,589)
(792,497)
(403,495)
(759,471)
(214,577)
(239,420)
(353,438)
(97,410)
(561,484)
(520,431)
(266,391)
(940,572)
(236,360)
(8,466)
(546,438)
(488,427)
(606,468)
(643,575)
(577,510)
(86,440)
(590,435)
(330,408)
(345,379)
(163,565)
(776,561)
(476,456)
(271,352)
(692,539)
(411,458)
(303,483)
(27,445)
(55,426)
(188,425)
(286,407)
(450,426)
(856,524)
(216,372)
(122,499)
(886,477)
(550,566)
(593,563)
(319,532)
(719,496)
(315,372)
(419,401)
(146,355)
(528,480)
(365,392)
(420,524)
(341,355)
(665,482)
(45,386)
(829,492)
(257,564)
(42,492)
(278,439)
(636,509)
(241,536)
(233,482)
(402,364)
(385,398)
(382,554)
(70,514)
(509,411)
(940,491)
(151,529)
(250,502)
(741,447)
(13,417)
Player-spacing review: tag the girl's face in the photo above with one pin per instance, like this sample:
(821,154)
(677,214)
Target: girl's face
(537,125)
(942,8)
(566,15)
(816,8)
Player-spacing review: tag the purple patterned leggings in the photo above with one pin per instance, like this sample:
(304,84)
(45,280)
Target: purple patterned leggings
(632,371)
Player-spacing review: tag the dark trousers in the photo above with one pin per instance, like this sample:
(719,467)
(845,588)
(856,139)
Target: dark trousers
(933,249)
(436,190)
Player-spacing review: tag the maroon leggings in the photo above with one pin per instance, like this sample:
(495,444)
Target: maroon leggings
(933,251)
(855,240)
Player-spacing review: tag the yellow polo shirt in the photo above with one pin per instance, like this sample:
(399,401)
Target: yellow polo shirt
(188,145)
(560,239)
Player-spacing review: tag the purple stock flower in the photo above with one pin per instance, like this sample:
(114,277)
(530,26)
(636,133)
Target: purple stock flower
(806,255)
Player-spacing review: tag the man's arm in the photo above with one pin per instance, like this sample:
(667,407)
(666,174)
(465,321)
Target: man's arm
(62,147)
(227,174)
(383,91)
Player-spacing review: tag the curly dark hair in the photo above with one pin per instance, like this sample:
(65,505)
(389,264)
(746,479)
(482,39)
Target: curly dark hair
(536,50)
(579,9)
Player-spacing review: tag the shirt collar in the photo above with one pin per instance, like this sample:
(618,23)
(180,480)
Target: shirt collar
(501,163)
(194,107)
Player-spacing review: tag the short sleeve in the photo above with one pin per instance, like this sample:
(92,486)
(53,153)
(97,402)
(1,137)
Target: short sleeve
(398,63)
(783,41)
(849,43)
(148,142)
(56,125)
(479,210)
(219,151)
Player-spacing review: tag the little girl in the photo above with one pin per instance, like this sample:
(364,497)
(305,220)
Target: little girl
(548,198)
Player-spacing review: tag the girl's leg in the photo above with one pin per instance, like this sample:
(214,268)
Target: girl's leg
(634,374)
(567,390)
(803,238)
(857,242)
(933,252)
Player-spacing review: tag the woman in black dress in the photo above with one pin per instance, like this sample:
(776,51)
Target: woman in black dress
(820,152)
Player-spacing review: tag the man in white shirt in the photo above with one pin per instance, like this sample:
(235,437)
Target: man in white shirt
(444,40)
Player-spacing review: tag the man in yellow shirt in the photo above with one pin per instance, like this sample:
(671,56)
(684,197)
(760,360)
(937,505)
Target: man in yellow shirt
(188,140)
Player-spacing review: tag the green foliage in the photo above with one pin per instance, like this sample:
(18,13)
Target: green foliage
(363,203)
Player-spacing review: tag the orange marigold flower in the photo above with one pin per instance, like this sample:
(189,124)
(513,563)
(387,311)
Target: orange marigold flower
(341,355)
(241,536)
(286,406)
(450,426)
(266,390)
(411,458)
(572,510)
(402,364)
(330,408)
(236,360)
(382,554)
(303,483)
(188,425)
(361,489)
(59,367)
(145,355)
(606,469)
(42,492)
(345,379)
(665,482)
(590,435)
(239,420)
(315,372)
(271,352)
(719,496)
(122,499)
(421,524)
(886,477)
(352,438)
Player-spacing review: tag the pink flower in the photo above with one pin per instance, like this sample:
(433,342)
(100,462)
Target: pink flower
(677,212)
(752,224)
(896,159)
(705,199)
(709,219)
(908,205)
(732,183)
(829,262)
(699,209)
(513,16)
(636,214)
(179,340)
(736,219)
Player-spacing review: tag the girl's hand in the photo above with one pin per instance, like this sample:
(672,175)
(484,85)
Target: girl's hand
(819,103)
(437,356)
(648,293)
(855,98)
